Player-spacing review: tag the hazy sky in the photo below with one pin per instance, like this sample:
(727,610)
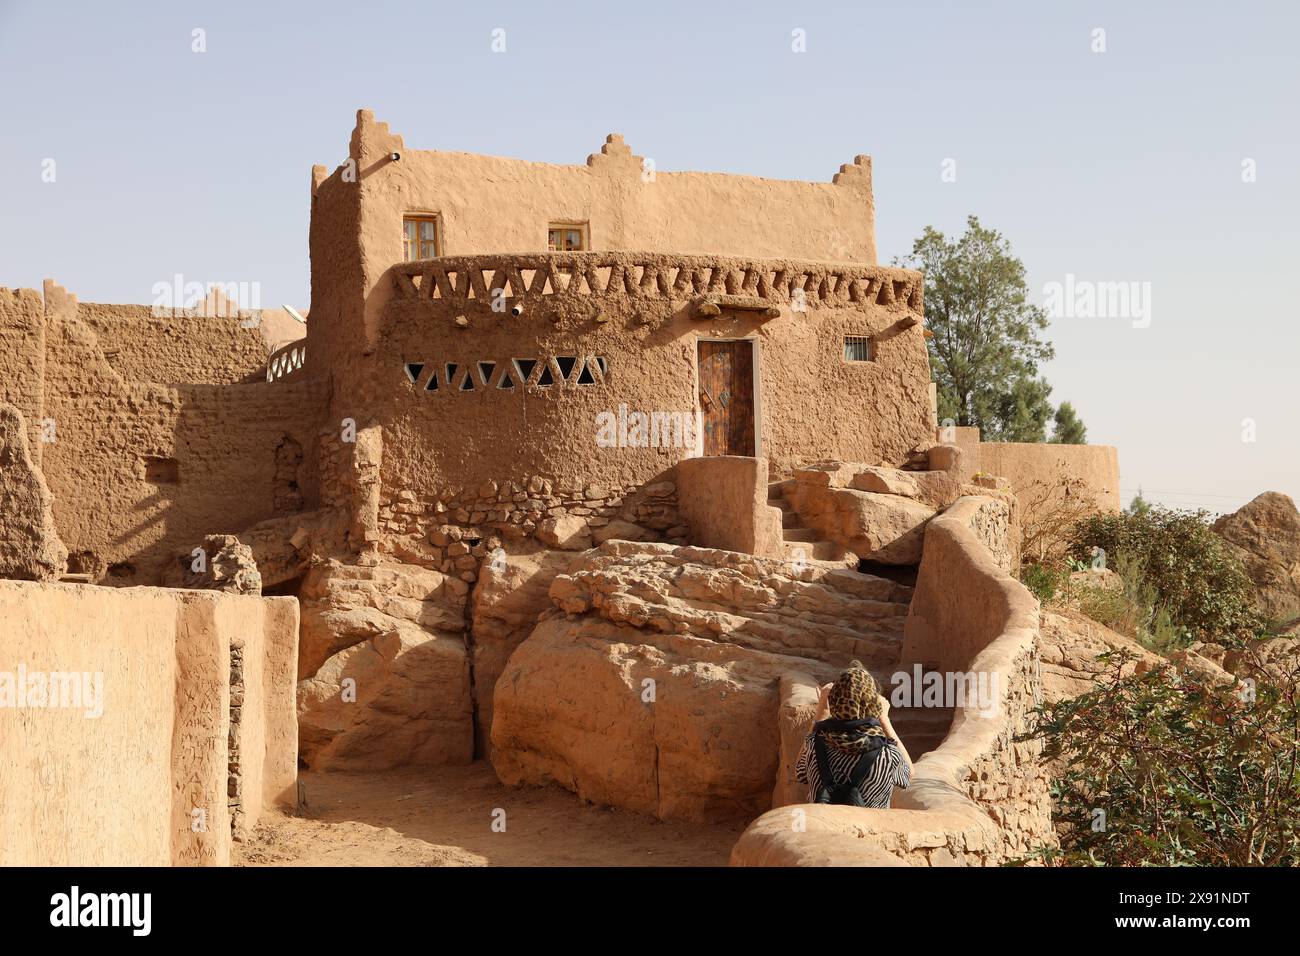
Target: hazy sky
(1122,166)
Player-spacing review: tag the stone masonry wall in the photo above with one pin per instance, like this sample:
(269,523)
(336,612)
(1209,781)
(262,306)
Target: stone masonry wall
(455,531)
(1010,782)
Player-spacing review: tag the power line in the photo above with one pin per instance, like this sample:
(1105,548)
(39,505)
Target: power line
(1186,494)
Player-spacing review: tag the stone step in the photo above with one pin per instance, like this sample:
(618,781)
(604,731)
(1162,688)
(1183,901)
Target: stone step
(799,534)
(922,729)
(776,489)
(814,551)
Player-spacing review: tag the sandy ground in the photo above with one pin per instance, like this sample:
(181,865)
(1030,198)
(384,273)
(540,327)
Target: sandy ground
(443,816)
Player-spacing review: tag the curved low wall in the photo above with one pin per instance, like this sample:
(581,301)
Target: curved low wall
(981,798)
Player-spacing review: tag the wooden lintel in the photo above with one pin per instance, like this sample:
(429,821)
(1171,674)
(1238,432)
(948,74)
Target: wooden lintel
(709,307)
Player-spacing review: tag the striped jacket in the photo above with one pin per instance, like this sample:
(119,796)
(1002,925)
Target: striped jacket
(891,770)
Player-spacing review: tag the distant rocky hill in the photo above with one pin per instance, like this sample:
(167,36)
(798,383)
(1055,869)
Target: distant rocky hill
(1265,534)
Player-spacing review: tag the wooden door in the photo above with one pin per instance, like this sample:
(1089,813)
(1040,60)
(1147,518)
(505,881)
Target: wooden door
(726,371)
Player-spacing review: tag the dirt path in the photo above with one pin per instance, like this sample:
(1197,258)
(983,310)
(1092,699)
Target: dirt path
(443,817)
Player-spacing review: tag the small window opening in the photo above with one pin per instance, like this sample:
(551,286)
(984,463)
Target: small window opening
(524,367)
(545,380)
(602,364)
(413,370)
(586,378)
(432,384)
(506,380)
(567,237)
(485,370)
(566,363)
(857,348)
(451,373)
(420,237)
(161,471)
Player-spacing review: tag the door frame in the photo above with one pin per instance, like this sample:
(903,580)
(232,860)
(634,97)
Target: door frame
(756,366)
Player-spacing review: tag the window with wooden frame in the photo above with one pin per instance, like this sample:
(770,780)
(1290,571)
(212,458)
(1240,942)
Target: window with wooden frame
(567,237)
(420,237)
(857,348)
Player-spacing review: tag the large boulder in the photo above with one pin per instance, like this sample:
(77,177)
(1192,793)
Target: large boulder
(648,727)
(655,683)
(875,525)
(1265,534)
(384,668)
(345,604)
(30,549)
(511,593)
(399,699)
(222,563)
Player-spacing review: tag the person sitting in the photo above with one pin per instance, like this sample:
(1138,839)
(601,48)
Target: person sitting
(852,755)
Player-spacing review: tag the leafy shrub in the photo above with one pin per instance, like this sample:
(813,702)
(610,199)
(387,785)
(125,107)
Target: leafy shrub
(1185,568)
(1135,609)
(1164,769)
(1043,579)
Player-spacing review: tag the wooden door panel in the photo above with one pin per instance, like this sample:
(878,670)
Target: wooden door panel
(726,372)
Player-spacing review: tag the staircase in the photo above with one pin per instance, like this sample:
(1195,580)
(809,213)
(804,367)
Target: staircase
(800,541)
(922,729)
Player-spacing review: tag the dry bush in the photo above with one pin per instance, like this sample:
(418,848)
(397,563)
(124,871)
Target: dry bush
(1049,510)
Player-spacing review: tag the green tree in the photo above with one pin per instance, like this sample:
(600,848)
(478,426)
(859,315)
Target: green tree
(986,346)
(1139,506)
(1069,428)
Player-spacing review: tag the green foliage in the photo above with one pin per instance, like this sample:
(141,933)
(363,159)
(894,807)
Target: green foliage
(1139,505)
(1044,580)
(1022,414)
(1069,429)
(1177,567)
(986,347)
(1166,769)
(1135,609)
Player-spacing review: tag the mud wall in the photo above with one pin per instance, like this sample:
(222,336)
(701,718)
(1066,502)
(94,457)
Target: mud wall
(22,359)
(142,471)
(131,767)
(723,501)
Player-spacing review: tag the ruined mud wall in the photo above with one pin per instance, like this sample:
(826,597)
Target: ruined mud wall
(982,797)
(176,347)
(115,777)
(22,359)
(143,471)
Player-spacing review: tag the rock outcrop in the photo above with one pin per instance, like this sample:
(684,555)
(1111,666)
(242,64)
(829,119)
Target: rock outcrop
(398,699)
(511,593)
(384,667)
(1265,534)
(221,563)
(655,683)
(877,513)
(345,604)
(30,549)
(1070,644)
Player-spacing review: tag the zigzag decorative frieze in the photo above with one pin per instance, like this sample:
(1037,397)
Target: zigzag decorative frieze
(658,276)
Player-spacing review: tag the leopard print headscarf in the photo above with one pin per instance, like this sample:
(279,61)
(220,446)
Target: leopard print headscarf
(854,699)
